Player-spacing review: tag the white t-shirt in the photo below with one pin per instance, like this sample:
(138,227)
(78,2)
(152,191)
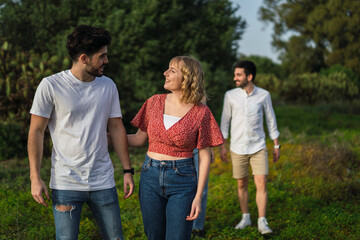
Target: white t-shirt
(78,113)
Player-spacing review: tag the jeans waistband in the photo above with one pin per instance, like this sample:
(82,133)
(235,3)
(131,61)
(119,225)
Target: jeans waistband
(169,163)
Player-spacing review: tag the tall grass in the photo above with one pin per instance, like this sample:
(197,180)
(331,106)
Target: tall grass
(313,189)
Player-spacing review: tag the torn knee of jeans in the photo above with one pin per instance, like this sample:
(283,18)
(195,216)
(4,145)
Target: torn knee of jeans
(64,208)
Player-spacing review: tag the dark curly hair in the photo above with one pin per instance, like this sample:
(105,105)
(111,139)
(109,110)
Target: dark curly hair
(87,40)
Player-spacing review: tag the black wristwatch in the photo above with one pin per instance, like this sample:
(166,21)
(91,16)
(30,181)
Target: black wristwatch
(129,171)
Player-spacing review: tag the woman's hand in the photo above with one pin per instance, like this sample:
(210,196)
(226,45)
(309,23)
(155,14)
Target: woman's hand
(138,139)
(195,209)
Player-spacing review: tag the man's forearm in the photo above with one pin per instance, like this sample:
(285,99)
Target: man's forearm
(123,151)
(119,140)
(35,151)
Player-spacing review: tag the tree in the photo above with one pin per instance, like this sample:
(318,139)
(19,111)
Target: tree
(207,30)
(326,32)
(146,34)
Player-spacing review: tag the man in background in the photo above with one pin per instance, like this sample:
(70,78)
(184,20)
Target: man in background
(243,110)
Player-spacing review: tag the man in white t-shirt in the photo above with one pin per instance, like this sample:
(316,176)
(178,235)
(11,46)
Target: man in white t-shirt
(78,106)
(244,108)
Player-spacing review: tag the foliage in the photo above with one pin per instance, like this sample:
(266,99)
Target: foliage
(313,189)
(325,33)
(265,65)
(269,82)
(301,57)
(314,87)
(12,140)
(337,69)
(146,35)
(206,30)
(20,73)
(46,22)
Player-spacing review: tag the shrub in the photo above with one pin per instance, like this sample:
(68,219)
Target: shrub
(12,140)
(314,87)
(269,82)
(339,68)
(20,74)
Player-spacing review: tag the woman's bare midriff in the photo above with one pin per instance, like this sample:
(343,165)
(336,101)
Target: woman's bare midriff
(161,157)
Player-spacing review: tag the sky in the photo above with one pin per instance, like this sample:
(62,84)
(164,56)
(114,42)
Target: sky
(256,39)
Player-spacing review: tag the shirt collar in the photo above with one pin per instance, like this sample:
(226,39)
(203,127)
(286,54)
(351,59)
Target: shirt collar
(245,93)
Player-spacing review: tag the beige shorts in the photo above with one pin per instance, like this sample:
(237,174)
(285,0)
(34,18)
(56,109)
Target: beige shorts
(258,161)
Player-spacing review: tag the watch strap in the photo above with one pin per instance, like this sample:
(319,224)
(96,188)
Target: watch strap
(131,170)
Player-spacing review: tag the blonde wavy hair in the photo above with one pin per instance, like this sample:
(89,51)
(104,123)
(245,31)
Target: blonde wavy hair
(193,84)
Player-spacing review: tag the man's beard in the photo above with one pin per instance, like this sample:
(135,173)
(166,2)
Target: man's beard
(243,84)
(95,72)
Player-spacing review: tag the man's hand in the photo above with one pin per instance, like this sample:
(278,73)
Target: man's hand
(276,155)
(37,189)
(223,153)
(128,185)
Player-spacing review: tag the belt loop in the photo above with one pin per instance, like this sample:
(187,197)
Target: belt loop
(174,164)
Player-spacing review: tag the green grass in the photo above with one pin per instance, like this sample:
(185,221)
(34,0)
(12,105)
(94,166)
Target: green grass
(313,189)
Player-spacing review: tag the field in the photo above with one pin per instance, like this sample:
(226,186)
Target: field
(314,190)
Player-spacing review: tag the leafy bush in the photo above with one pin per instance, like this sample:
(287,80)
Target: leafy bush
(314,87)
(12,140)
(20,74)
(339,68)
(269,82)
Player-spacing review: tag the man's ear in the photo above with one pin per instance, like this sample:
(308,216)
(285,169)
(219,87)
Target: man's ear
(83,58)
(249,77)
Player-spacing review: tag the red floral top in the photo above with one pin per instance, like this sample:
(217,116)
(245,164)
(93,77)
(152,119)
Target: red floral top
(197,129)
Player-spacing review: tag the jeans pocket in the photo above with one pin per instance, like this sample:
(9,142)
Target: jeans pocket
(145,166)
(186,171)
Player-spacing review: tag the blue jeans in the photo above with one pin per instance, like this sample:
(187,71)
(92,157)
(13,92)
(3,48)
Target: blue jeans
(167,190)
(200,221)
(104,204)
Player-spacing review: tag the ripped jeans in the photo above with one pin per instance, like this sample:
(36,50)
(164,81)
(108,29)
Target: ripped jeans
(104,205)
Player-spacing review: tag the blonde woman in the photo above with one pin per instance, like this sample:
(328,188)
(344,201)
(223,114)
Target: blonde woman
(174,124)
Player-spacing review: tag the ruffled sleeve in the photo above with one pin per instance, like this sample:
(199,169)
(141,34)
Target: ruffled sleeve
(209,132)
(141,120)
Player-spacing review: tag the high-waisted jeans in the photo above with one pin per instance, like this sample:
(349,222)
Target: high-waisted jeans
(167,190)
(103,203)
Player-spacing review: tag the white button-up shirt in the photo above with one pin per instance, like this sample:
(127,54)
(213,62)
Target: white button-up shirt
(245,114)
